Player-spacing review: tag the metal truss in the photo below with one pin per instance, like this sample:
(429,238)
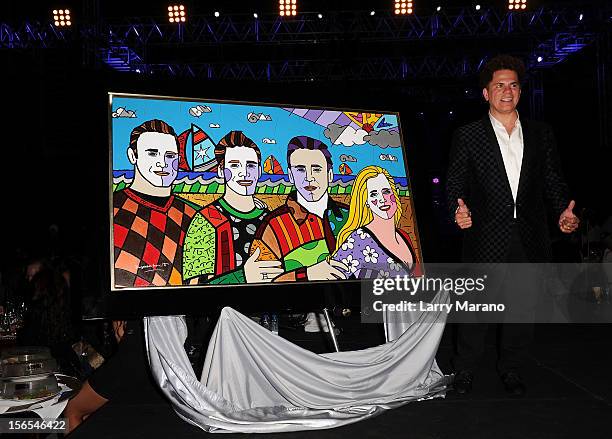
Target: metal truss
(384,26)
(30,35)
(148,46)
(557,48)
(309,70)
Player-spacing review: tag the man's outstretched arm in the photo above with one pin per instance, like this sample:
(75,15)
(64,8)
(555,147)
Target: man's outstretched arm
(457,187)
(555,188)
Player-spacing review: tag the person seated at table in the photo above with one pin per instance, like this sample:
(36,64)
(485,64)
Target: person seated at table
(111,377)
(371,244)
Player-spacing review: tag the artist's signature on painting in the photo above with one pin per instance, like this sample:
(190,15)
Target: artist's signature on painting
(154,267)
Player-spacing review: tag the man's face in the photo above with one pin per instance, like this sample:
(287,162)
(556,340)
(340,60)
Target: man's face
(503,92)
(241,170)
(309,173)
(157,159)
(381,200)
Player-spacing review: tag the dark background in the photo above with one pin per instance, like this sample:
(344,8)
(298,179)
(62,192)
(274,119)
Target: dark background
(54,133)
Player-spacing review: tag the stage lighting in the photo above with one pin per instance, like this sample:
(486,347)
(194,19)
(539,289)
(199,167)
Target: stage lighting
(217,14)
(403,7)
(287,8)
(439,8)
(320,16)
(580,17)
(478,7)
(177,14)
(516,5)
(540,59)
(255,15)
(62,17)
(372,13)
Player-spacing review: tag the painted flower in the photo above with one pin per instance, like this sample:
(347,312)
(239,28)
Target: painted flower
(351,263)
(393,266)
(382,274)
(362,234)
(348,244)
(370,254)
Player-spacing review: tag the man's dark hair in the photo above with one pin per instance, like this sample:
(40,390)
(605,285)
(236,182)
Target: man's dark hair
(150,126)
(231,140)
(501,62)
(305,142)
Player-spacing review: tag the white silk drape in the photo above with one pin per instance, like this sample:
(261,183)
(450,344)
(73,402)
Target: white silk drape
(255,381)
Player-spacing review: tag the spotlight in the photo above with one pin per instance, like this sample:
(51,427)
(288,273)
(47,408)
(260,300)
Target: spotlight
(177,14)
(435,180)
(287,8)
(255,15)
(403,7)
(372,13)
(439,8)
(540,59)
(61,17)
(217,14)
(320,15)
(517,4)
(580,17)
(478,7)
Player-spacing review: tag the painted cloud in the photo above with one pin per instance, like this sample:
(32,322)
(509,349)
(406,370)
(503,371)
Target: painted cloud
(199,110)
(256,117)
(344,135)
(347,158)
(122,112)
(384,139)
(388,157)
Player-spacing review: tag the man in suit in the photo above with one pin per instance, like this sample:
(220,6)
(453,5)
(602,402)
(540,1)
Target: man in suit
(503,174)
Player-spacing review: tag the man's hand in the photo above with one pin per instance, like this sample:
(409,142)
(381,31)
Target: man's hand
(324,270)
(463,216)
(568,222)
(261,271)
(119,329)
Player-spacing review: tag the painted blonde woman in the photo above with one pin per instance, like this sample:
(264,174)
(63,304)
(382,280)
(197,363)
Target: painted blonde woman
(370,243)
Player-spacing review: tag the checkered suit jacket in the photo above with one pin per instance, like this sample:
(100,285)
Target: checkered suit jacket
(477,175)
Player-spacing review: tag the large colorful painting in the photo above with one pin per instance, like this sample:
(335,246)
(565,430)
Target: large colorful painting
(233,193)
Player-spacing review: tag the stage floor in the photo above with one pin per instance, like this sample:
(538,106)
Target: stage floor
(569,395)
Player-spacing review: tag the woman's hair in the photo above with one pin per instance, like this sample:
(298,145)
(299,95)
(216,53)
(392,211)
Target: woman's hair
(359,213)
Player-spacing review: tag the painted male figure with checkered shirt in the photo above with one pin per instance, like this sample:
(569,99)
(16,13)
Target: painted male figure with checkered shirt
(302,232)
(149,222)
